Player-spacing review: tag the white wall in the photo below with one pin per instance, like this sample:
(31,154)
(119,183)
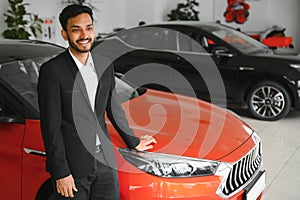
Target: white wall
(150,11)
(139,10)
(110,14)
(285,13)
(3,8)
(206,10)
(162,8)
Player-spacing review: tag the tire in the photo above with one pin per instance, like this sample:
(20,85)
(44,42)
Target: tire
(47,196)
(52,197)
(268,100)
(46,192)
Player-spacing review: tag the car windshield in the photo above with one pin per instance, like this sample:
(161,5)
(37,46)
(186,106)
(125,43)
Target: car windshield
(22,78)
(239,40)
(127,90)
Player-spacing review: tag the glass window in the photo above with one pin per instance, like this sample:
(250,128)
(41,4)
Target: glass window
(148,37)
(238,40)
(22,77)
(190,42)
(127,90)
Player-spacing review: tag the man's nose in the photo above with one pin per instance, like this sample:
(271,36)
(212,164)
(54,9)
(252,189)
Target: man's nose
(83,34)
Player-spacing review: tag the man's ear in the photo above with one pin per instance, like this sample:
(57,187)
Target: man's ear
(64,34)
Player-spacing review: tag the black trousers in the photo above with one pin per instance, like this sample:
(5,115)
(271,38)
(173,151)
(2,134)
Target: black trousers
(100,184)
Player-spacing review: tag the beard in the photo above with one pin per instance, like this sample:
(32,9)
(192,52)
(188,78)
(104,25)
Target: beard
(76,48)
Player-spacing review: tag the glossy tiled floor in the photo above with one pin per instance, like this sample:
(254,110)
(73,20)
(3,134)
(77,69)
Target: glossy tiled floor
(281,148)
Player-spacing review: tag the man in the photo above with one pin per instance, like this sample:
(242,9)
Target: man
(75,90)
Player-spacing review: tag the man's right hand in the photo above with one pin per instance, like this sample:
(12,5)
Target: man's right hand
(145,143)
(65,186)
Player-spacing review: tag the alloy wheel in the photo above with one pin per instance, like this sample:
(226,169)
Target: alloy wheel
(269,102)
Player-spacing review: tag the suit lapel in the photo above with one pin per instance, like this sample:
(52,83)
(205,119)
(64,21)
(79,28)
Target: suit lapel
(99,75)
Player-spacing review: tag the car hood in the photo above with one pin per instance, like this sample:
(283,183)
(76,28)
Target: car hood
(282,54)
(185,126)
(286,51)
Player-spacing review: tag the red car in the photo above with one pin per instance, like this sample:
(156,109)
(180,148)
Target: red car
(203,151)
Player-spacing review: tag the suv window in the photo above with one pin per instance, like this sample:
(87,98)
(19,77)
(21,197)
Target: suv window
(148,37)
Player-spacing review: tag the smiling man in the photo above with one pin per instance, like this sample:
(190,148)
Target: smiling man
(75,168)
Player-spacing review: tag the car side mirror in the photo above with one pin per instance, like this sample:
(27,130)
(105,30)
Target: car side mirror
(7,119)
(222,52)
(119,75)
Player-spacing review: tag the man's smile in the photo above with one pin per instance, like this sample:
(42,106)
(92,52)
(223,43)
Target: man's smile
(84,41)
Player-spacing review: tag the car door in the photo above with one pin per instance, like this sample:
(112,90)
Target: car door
(19,136)
(34,161)
(11,136)
(194,64)
(218,72)
(226,59)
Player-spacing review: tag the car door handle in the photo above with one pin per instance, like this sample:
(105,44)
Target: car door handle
(246,68)
(34,152)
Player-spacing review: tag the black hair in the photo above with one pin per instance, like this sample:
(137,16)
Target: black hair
(71,11)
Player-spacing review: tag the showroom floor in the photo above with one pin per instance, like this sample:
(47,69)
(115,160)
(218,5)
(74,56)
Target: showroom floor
(281,148)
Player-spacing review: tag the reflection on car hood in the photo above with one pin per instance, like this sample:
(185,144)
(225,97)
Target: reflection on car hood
(185,126)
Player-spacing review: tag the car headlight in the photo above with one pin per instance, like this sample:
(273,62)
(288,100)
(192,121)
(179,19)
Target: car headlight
(170,166)
(295,66)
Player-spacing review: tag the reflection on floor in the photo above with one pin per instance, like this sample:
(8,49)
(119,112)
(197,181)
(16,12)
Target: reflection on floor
(281,148)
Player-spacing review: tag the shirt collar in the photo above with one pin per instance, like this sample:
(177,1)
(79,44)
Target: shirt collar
(79,64)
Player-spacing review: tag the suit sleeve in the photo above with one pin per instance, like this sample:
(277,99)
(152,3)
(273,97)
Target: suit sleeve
(51,122)
(118,118)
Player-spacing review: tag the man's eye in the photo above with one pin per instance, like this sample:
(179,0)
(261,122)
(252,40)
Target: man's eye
(75,30)
(89,28)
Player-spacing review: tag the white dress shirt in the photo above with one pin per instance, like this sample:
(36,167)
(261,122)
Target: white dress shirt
(90,79)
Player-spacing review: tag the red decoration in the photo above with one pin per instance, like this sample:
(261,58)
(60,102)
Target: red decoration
(237,10)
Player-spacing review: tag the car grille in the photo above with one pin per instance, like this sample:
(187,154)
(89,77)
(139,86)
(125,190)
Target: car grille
(243,170)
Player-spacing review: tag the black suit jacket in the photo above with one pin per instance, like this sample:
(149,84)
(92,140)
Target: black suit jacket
(68,123)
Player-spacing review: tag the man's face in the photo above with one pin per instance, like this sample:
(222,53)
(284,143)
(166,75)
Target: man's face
(80,33)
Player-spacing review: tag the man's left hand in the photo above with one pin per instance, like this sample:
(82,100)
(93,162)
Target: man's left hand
(145,143)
